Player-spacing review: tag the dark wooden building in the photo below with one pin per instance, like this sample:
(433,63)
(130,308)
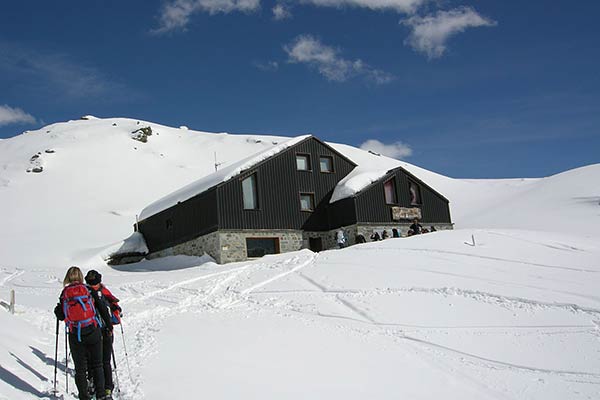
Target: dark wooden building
(392,201)
(281,203)
(263,209)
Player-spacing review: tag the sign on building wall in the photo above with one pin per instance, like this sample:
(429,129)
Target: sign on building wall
(399,213)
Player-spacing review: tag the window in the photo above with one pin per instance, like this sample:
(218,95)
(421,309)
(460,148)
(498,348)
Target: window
(258,247)
(415,193)
(326,163)
(303,162)
(307,201)
(389,188)
(249,193)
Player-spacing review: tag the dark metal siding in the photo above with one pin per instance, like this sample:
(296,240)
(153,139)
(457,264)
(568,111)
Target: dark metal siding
(279,186)
(371,207)
(191,218)
(342,213)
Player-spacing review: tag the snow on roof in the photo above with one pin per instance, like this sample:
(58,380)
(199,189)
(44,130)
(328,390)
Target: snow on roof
(356,181)
(371,167)
(222,175)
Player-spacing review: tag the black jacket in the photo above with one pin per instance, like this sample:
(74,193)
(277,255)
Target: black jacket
(416,228)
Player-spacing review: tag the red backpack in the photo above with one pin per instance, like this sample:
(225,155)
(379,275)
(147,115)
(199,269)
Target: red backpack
(78,307)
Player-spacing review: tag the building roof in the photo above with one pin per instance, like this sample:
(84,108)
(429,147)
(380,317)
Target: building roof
(363,177)
(220,176)
(355,182)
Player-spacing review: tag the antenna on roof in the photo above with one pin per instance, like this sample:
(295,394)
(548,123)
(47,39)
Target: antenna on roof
(216,163)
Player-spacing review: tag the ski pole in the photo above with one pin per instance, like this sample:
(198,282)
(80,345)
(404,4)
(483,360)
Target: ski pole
(125,349)
(116,373)
(56,355)
(66,361)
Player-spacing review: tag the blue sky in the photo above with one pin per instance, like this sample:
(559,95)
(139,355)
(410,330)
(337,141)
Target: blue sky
(479,89)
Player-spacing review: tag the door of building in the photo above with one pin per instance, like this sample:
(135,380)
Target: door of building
(315,244)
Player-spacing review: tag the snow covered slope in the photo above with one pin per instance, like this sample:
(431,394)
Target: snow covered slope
(95,182)
(517,316)
(96,179)
(505,307)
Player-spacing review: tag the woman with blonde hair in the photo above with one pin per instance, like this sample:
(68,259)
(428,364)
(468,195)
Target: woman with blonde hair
(76,307)
(73,274)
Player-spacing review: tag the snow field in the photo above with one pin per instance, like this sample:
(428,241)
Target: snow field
(327,325)
(422,317)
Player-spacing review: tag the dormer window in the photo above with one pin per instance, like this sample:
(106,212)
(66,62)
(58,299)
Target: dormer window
(303,162)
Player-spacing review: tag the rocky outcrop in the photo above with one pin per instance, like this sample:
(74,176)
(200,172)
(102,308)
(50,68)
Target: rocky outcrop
(141,134)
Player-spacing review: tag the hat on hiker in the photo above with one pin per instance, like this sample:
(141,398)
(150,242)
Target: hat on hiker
(93,277)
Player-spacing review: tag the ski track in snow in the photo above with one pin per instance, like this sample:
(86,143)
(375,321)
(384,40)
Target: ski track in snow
(224,290)
(507,260)
(380,328)
(14,275)
(424,349)
(214,293)
(152,300)
(434,353)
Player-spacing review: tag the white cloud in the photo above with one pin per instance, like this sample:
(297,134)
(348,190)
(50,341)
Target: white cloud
(308,50)
(430,33)
(402,6)
(396,150)
(266,66)
(10,115)
(176,14)
(281,12)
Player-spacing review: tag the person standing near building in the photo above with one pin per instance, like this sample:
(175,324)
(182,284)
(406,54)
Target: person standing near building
(415,228)
(340,238)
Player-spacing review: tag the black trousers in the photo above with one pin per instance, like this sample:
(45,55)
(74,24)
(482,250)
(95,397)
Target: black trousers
(87,352)
(107,349)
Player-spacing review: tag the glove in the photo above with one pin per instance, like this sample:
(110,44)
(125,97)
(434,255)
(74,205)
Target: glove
(58,311)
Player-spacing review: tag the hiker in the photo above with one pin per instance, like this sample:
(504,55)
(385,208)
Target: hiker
(395,233)
(110,304)
(415,228)
(360,239)
(77,308)
(340,238)
(385,235)
(375,236)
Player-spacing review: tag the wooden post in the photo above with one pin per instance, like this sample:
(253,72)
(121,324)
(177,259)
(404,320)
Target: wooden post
(11,307)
